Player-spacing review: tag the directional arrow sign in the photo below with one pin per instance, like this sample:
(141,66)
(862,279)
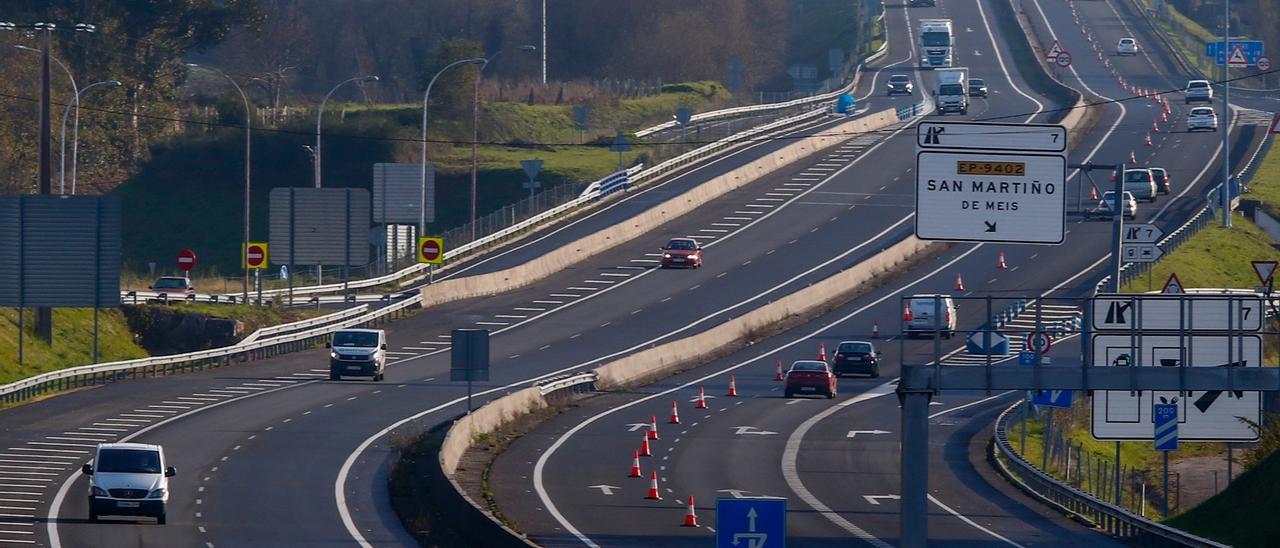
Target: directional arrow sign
(1140,253)
(751,430)
(875,499)
(853,433)
(604,489)
(1205,401)
(636,426)
(1145,233)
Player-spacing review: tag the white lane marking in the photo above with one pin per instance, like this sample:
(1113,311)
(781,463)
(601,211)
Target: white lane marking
(1004,70)
(565,295)
(971,522)
(548,302)
(510,316)
(529,309)
(493,323)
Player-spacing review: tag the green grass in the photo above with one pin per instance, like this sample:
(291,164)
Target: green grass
(1241,515)
(1265,185)
(72,342)
(1215,257)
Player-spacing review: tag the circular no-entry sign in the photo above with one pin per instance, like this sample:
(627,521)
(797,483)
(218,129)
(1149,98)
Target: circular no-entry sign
(1063,59)
(1264,63)
(430,250)
(255,256)
(1039,342)
(186,260)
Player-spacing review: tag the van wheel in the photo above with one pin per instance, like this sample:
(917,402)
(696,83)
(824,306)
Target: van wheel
(875,372)
(334,376)
(378,377)
(787,394)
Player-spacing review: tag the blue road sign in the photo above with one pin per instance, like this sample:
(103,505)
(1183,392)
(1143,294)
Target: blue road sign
(986,340)
(751,523)
(1252,49)
(1052,398)
(1166,419)
(1026,358)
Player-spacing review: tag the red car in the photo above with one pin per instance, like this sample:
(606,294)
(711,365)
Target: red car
(682,252)
(810,377)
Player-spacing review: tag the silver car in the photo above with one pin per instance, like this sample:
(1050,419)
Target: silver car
(1202,118)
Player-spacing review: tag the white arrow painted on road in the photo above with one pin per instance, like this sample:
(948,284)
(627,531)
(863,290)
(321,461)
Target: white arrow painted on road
(853,433)
(695,398)
(735,493)
(605,489)
(875,499)
(636,426)
(752,430)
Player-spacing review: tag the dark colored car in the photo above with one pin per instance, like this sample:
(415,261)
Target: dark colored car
(810,377)
(977,87)
(856,357)
(1162,179)
(900,83)
(175,288)
(682,252)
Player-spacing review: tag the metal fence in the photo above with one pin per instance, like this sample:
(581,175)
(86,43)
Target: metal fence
(1114,519)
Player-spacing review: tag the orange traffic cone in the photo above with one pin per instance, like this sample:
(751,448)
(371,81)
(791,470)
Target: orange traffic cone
(675,413)
(822,352)
(653,487)
(1148,139)
(1164,117)
(906,312)
(733,387)
(644,447)
(702,399)
(1000,261)
(1093,190)
(690,518)
(635,465)
(653,427)
(1133,157)
(777,375)
(959,282)
(875,329)
(1155,126)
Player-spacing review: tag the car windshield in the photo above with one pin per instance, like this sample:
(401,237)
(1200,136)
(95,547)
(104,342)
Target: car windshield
(355,338)
(1200,84)
(170,283)
(899,79)
(1202,111)
(855,348)
(1126,41)
(935,39)
(808,366)
(951,89)
(1137,177)
(681,244)
(976,82)
(129,461)
(1110,197)
(1159,175)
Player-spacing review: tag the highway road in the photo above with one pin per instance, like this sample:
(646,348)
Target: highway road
(260,449)
(839,486)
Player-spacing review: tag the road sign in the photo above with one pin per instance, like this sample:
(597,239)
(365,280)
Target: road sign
(999,343)
(1054,51)
(1039,342)
(1205,416)
(469,355)
(1142,233)
(430,250)
(1265,269)
(1140,253)
(1263,63)
(683,116)
(1173,285)
(1166,430)
(1250,49)
(1199,312)
(620,144)
(1063,60)
(186,260)
(976,197)
(581,114)
(1052,398)
(1237,58)
(988,137)
(255,255)
(1027,358)
(751,523)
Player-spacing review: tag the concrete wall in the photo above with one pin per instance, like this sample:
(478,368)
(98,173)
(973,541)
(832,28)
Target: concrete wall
(666,358)
(568,255)
(484,420)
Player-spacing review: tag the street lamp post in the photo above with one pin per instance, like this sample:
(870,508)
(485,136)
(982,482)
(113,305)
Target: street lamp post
(422,212)
(75,127)
(248,156)
(475,130)
(319,118)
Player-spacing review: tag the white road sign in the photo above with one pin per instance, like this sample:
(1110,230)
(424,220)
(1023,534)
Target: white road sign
(969,196)
(1200,312)
(1142,233)
(990,137)
(1140,253)
(1203,415)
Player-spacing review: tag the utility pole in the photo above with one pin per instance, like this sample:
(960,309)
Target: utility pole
(544,42)
(44,314)
(1226,115)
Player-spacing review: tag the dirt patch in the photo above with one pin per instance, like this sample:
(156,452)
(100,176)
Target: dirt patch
(1198,478)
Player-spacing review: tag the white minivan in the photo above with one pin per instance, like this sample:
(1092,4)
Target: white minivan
(930,314)
(128,479)
(357,353)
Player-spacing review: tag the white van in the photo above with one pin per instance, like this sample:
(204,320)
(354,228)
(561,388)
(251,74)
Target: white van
(128,479)
(923,320)
(358,353)
(1141,182)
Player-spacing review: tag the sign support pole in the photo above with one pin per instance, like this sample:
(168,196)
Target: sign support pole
(1226,115)
(1117,478)
(914,523)
(1164,501)
(1048,435)
(1117,228)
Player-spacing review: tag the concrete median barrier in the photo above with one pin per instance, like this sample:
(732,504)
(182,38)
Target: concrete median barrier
(484,420)
(667,358)
(577,251)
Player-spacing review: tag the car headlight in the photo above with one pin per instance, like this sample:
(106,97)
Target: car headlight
(666,255)
(156,494)
(333,354)
(99,492)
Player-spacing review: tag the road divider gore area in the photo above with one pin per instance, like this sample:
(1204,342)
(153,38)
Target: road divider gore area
(519,276)
(669,358)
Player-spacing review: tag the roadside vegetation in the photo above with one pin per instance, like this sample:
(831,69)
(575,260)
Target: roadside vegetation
(72,342)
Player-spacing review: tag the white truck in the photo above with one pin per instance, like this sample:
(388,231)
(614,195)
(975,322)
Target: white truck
(935,43)
(951,94)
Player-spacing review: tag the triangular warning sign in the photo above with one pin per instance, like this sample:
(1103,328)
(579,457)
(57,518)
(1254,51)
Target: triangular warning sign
(1264,270)
(1174,285)
(1053,52)
(1237,58)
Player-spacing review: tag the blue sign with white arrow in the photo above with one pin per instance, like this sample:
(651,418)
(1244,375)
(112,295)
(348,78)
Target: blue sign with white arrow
(751,523)
(1252,50)
(1052,398)
(987,340)
(1166,419)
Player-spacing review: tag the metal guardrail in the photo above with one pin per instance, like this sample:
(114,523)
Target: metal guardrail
(1111,518)
(619,180)
(243,351)
(565,381)
(274,330)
